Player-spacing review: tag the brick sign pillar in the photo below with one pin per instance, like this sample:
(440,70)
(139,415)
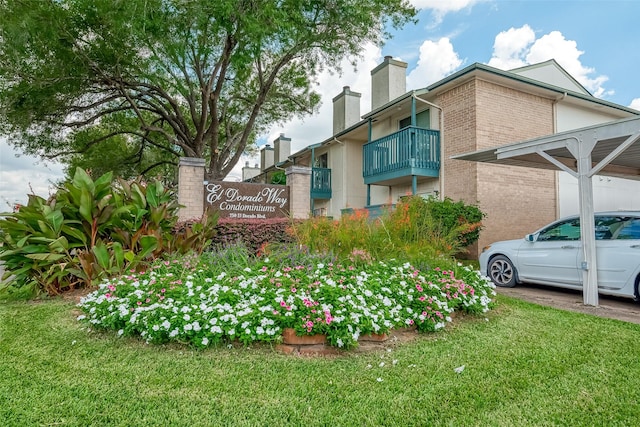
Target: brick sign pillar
(299,182)
(191,188)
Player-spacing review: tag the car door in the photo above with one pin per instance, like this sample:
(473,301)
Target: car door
(619,254)
(553,255)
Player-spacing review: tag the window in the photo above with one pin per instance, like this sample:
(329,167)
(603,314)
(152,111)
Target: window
(606,228)
(566,230)
(322,161)
(630,230)
(422,120)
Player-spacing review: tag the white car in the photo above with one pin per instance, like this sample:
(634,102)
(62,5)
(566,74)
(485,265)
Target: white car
(553,255)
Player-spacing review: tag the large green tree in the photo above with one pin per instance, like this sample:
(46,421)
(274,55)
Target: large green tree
(152,80)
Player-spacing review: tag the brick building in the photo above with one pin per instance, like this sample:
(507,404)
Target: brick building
(404,144)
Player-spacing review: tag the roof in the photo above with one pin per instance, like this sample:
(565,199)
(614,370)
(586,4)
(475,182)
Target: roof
(616,150)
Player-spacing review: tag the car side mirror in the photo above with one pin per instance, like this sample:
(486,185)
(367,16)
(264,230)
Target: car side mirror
(530,237)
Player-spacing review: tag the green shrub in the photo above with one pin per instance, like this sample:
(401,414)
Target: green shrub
(90,230)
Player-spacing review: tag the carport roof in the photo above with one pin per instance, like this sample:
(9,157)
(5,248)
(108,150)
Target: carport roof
(616,150)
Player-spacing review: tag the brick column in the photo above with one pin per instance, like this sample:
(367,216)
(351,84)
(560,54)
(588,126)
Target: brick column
(299,182)
(191,188)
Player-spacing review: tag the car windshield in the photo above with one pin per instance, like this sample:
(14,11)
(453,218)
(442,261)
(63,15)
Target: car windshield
(606,228)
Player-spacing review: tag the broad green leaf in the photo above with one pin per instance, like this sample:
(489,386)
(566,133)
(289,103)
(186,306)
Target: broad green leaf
(83,181)
(102,255)
(130,256)
(118,254)
(154,191)
(148,244)
(137,196)
(86,205)
(61,244)
(56,219)
(20,243)
(76,233)
(46,257)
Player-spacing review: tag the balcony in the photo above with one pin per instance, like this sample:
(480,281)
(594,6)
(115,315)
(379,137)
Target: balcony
(413,151)
(320,183)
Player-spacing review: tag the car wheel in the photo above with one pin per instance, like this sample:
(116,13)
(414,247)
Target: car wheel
(637,296)
(502,272)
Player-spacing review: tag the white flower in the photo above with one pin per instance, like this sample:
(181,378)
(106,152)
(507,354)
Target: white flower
(205,341)
(166,324)
(120,332)
(459,369)
(186,317)
(379,379)
(381,364)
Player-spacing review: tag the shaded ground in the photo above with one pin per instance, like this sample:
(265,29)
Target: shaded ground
(614,308)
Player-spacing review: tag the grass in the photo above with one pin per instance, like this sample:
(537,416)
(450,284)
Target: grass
(524,365)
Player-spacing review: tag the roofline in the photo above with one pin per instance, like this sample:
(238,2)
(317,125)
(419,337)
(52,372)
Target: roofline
(415,92)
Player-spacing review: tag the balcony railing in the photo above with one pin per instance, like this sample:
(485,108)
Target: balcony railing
(411,151)
(320,183)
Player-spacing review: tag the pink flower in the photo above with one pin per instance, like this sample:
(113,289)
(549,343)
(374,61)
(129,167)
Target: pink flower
(107,295)
(422,298)
(163,290)
(419,288)
(283,304)
(293,290)
(139,302)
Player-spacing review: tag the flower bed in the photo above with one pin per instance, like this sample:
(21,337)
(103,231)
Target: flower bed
(193,301)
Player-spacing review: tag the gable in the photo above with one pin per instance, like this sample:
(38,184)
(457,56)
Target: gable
(550,72)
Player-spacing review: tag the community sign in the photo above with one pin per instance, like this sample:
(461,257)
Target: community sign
(243,200)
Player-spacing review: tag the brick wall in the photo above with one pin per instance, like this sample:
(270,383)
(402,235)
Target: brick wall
(479,115)
(299,182)
(191,188)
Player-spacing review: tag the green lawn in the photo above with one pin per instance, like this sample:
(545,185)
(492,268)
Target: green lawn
(523,365)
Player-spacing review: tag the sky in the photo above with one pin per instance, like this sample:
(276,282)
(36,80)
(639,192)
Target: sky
(594,41)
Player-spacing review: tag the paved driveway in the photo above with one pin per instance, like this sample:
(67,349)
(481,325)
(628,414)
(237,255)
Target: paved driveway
(615,308)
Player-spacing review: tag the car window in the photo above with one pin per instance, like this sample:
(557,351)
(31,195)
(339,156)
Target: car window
(630,229)
(565,230)
(606,226)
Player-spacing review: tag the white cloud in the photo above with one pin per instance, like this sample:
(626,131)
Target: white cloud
(437,60)
(635,104)
(440,8)
(511,46)
(517,47)
(21,175)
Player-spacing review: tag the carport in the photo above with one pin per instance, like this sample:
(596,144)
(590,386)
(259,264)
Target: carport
(611,149)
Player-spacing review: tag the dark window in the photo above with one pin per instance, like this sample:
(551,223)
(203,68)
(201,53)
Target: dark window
(630,230)
(422,120)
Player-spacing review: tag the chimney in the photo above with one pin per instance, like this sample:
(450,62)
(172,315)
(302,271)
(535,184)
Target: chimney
(346,109)
(282,148)
(249,172)
(266,157)
(388,81)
